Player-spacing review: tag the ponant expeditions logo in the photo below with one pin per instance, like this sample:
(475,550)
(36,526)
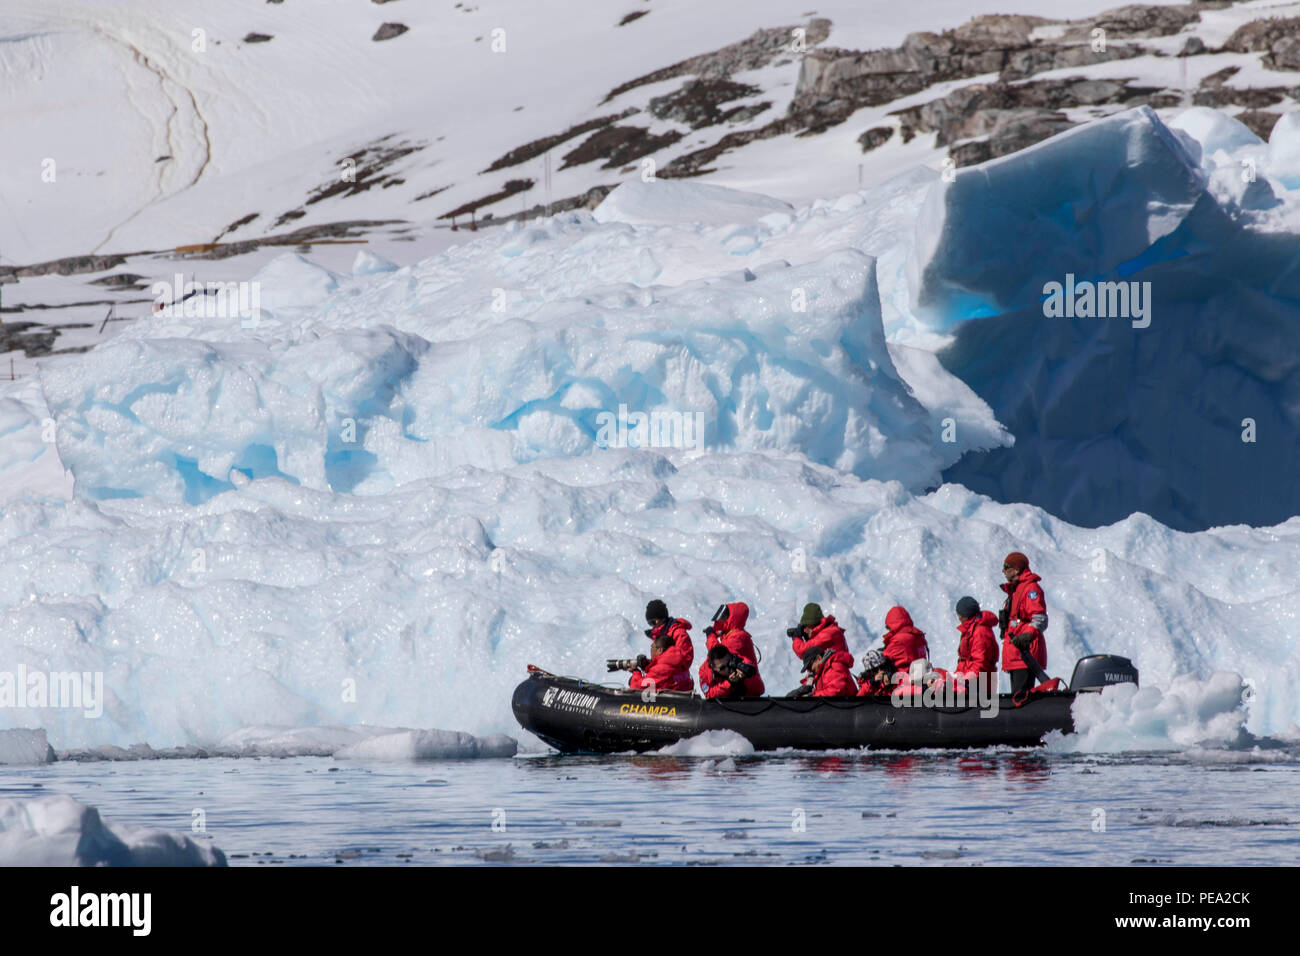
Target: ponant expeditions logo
(569,700)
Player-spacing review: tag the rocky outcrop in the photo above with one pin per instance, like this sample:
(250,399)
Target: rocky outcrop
(757,50)
(537,147)
(618,145)
(1278,39)
(874,137)
(389,30)
(1006,117)
(699,103)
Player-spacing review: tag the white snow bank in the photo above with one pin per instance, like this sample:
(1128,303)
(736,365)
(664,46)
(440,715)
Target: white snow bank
(292,281)
(429,745)
(25,747)
(1188,713)
(680,201)
(365,743)
(57,830)
(711,743)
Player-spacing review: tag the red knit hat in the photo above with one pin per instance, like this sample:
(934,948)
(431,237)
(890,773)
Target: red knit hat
(1016,560)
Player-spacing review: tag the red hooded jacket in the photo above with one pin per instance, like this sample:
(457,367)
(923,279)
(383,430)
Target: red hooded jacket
(834,676)
(1027,601)
(903,643)
(826,634)
(731,633)
(679,657)
(663,673)
(978,651)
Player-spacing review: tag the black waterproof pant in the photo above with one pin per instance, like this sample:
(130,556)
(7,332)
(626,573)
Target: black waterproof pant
(1021,680)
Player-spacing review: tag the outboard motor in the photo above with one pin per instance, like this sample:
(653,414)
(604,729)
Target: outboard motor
(1101,670)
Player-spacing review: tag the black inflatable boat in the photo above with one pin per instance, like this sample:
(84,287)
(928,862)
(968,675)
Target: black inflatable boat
(577,716)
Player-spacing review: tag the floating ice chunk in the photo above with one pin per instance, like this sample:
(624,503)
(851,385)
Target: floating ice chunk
(57,830)
(711,743)
(25,747)
(429,745)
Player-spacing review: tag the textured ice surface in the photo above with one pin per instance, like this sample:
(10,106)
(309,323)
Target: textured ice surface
(60,831)
(1187,412)
(376,505)
(22,746)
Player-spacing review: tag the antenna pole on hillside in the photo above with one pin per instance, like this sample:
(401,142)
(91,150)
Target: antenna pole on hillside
(546,178)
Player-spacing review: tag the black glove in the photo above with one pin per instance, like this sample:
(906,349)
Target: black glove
(803,691)
(1004,618)
(1022,641)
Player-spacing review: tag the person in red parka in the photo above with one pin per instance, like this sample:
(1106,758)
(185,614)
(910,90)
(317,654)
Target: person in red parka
(1023,621)
(816,630)
(682,654)
(903,642)
(977,652)
(831,672)
(878,676)
(728,629)
(728,675)
(663,670)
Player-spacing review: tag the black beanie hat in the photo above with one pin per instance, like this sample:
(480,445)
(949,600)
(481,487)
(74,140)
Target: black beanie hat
(656,610)
(812,615)
(968,607)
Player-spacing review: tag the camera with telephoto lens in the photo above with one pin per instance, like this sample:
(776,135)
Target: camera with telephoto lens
(795,631)
(624,663)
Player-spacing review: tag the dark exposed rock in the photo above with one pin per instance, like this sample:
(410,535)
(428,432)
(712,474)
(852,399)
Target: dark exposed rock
(1259,122)
(511,187)
(1277,38)
(366,168)
(389,30)
(531,150)
(257,37)
(697,103)
(634,15)
(618,145)
(985,109)
(1192,46)
(1011,131)
(289,216)
(1221,96)
(695,163)
(238,223)
(119,280)
(874,137)
(1138,20)
(755,51)
(1218,78)
(71,265)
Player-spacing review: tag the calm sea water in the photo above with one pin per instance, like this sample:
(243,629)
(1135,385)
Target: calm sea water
(933,808)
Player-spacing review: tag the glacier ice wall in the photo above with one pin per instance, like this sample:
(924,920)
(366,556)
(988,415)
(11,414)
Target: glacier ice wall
(1111,418)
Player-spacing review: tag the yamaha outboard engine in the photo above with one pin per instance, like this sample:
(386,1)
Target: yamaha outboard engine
(1101,670)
